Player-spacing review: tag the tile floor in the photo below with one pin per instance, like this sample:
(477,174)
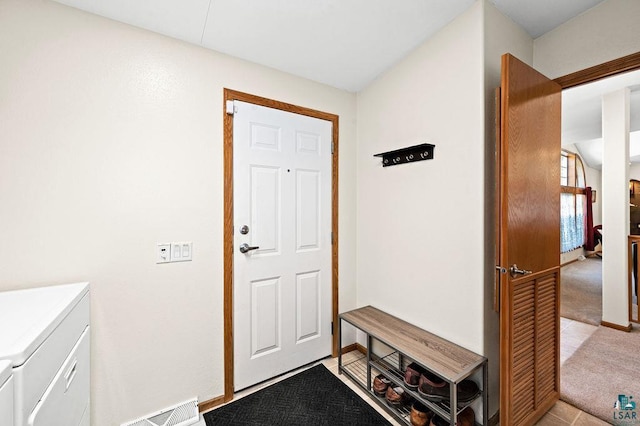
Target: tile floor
(572,335)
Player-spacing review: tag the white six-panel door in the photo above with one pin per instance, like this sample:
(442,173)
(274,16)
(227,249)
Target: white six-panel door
(282,204)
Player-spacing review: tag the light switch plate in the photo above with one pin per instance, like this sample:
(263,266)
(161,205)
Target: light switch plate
(181,251)
(174,252)
(187,250)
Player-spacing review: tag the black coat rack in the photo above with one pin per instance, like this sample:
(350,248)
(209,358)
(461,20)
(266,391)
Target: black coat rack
(410,154)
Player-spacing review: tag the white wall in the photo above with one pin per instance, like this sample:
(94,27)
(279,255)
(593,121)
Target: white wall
(603,33)
(97,117)
(420,225)
(111,141)
(425,230)
(501,35)
(606,32)
(615,212)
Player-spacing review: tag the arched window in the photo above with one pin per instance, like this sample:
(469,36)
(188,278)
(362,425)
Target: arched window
(572,202)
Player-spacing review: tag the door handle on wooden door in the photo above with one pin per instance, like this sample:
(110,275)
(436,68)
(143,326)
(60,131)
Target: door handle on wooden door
(514,270)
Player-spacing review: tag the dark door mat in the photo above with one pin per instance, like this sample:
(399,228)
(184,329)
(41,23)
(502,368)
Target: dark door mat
(312,397)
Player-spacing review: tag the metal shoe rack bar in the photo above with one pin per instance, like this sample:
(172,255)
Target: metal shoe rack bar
(409,343)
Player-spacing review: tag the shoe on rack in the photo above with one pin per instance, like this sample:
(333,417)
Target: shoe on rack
(380,385)
(420,414)
(467,391)
(434,388)
(395,396)
(412,375)
(467,417)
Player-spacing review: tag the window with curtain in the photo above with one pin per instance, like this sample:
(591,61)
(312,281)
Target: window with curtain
(572,202)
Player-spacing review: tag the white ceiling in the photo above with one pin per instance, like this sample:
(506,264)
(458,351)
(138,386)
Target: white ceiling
(348,43)
(342,43)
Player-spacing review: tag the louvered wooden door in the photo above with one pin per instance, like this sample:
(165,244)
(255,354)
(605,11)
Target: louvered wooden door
(529,241)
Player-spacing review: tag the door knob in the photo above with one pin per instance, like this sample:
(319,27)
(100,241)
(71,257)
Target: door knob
(514,270)
(245,248)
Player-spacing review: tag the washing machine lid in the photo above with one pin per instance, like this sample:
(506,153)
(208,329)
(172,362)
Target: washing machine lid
(27,317)
(5,371)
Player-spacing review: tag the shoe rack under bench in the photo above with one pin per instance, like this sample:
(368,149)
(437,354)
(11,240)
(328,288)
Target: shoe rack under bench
(391,344)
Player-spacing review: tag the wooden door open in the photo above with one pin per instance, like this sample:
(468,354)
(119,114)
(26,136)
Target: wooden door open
(529,243)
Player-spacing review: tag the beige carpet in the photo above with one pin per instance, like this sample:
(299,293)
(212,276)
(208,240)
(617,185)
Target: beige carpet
(581,291)
(605,366)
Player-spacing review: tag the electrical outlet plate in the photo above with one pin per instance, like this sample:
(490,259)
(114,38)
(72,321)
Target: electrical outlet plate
(174,252)
(163,253)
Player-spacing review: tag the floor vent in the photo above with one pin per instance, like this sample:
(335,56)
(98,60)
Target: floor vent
(183,414)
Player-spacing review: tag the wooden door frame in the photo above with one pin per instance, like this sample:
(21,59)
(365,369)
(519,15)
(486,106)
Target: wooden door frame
(598,72)
(233,95)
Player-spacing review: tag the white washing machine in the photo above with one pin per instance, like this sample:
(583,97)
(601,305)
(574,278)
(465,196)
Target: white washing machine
(6,393)
(44,336)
